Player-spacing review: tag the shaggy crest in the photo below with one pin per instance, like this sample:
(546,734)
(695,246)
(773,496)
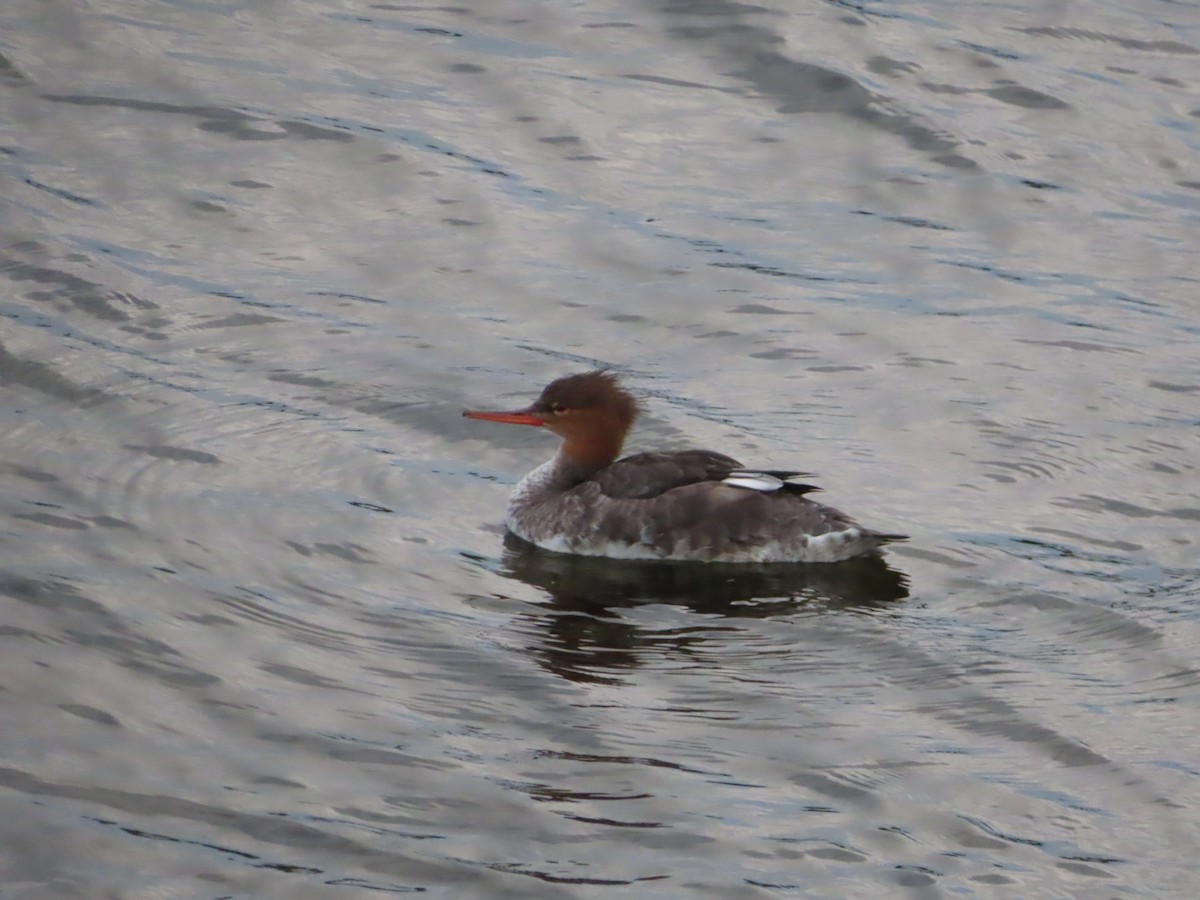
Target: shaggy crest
(600,389)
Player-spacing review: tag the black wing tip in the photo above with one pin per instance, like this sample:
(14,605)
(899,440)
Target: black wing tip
(797,488)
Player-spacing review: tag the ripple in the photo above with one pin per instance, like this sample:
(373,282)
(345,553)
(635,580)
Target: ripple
(1034,450)
(268,830)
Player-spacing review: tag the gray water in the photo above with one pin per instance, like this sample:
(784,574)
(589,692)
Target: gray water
(262,634)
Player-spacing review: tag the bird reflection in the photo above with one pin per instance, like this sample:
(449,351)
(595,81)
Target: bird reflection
(583,640)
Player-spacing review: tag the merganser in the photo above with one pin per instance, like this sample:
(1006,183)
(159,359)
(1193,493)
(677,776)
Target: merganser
(692,505)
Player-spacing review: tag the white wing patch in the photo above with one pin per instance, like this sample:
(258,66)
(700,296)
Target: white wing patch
(754,481)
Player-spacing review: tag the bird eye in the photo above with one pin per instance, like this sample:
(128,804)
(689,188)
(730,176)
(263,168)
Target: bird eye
(557,408)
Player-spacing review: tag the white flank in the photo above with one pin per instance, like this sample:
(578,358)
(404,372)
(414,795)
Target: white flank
(754,481)
(835,546)
(822,548)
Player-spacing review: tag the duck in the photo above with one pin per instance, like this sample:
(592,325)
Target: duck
(689,505)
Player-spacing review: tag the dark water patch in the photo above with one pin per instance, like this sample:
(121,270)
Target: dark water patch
(1059,556)
(303,677)
(1078,868)
(784,353)
(121,643)
(1082,346)
(1095,503)
(800,87)
(347,748)
(797,87)
(52,521)
(12,631)
(611,823)
(241,320)
(90,713)
(11,74)
(345,296)
(888,67)
(1005,91)
(307,130)
(965,706)
(556,878)
(1068,33)
(953,89)
(989,50)
(1082,625)
(1174,388)
(216,119)
(913,222)
(218,113)
(1025,98)
(352,553)
(29,474)
(990,717)
(837,853)
(268,829)
(87,623)
(63,193)
(675,82)
(49,594)
(1032,468)
(301,381)
(240,131)
(987,268)
(439,32)
(71,290)
(1122,546)
(250,607)
(370,507)
(175,454)
(772,271)
(759,309)
(384,887)
(830,784)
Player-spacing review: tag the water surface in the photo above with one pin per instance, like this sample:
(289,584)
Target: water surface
(263,635)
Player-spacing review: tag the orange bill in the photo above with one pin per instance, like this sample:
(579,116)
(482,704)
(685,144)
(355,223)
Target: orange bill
(512,417)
